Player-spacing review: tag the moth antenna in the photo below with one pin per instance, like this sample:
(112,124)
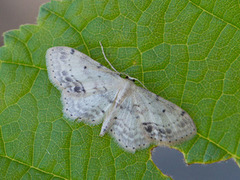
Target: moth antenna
(129,77)
(107,59)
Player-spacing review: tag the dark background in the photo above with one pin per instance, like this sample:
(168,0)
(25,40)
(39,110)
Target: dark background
(13,13)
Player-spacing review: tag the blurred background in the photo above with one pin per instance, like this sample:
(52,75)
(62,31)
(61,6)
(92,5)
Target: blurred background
(14,13)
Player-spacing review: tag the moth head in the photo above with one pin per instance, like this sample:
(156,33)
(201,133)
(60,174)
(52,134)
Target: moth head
(130,78)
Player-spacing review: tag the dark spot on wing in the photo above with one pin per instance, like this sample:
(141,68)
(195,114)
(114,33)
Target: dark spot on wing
(162,131)
(72,51)
(169,131)
(181,124)
(77,89)
(68,79)
(183,112)
(164,110)
(85,67)
(148,129)
(100,65)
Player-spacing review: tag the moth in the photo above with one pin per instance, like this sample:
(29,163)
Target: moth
(134,116)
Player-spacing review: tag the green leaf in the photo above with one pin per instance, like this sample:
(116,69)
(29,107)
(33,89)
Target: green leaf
(185,51)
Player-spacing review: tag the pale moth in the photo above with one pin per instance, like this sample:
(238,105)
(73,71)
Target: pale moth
(134,116)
